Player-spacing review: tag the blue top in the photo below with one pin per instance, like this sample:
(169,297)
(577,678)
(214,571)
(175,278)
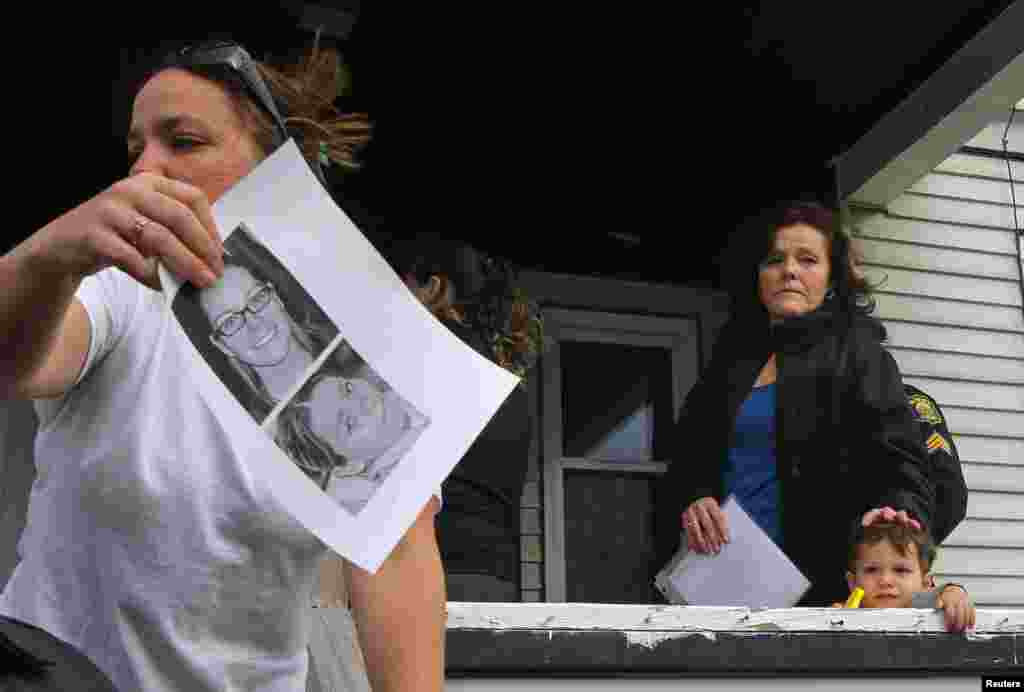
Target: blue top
(750,469)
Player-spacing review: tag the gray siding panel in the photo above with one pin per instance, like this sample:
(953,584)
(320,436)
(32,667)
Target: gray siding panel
(952,313)
(988,592)
(990,450)
(992,533)
(955,340)
(977,395)
(952,260)
(982,562)
(908,282)
(983,504)
(959,211)
(981,166)
(1000,478)
(987,423)
(883,226)
(918,363)
(992,136)
(967,188)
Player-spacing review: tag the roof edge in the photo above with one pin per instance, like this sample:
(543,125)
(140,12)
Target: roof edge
(978,84)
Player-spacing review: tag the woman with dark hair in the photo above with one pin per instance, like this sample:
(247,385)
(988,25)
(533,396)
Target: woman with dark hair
(150,544)
(801,413)
(477,298)
(478,528)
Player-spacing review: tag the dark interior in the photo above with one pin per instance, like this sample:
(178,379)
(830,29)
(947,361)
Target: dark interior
(624,141)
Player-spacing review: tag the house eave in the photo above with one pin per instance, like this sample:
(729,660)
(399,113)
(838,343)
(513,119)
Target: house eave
(980,83)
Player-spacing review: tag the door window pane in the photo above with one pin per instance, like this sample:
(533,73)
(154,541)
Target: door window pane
(609,538)
(616,401)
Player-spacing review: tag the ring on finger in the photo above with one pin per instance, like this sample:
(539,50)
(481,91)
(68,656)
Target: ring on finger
(140,226)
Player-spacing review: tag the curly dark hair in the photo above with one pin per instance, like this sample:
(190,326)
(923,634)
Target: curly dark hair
(488,304)
(749,246)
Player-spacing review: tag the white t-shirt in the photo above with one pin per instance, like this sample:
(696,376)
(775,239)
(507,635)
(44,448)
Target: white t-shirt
(149,545)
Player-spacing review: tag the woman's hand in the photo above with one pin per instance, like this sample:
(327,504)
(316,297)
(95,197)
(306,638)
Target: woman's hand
(706,528)
(889,515)
(133,224)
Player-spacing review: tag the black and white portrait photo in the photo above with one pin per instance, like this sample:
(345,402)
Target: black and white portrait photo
(344,399)
(257,327)
(347,428)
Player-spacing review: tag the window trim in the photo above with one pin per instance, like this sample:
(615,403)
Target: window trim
(681,334)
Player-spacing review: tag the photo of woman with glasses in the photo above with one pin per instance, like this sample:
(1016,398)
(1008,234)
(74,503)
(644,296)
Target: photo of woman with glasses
(257,327)
(348,429)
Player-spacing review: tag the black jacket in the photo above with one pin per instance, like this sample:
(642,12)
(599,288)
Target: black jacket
(845,441)
(478,526)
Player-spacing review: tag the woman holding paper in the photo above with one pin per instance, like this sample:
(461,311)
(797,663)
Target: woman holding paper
(801,414)
(149,543)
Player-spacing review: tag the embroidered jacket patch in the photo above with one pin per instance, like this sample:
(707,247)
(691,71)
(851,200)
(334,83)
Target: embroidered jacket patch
(936,442)
(925,410)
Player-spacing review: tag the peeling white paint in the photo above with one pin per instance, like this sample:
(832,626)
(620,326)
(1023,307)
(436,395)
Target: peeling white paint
(652,640)
(857,620)
(588,616)
(643,618)
(981,637)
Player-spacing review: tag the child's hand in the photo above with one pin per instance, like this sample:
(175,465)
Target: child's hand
(959,610)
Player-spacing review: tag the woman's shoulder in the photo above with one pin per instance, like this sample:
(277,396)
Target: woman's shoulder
(867,334)
(870,355)
(869,326)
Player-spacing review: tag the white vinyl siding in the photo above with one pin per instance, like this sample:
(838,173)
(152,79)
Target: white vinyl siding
(991,533)
(946,256)
(981,264)
(955,340)
(978,369)
(981,166)
(958,211)
(992,136)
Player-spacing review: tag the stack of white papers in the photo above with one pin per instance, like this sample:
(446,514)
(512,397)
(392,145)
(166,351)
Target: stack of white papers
(749,571)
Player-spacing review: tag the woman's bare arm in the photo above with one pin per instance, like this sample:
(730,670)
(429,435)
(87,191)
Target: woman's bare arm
(400,612)
(44,332)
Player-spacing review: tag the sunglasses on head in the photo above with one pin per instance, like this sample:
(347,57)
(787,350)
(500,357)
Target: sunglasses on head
(231,55)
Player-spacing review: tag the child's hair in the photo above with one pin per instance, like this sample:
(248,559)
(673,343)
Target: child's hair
(901,537)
